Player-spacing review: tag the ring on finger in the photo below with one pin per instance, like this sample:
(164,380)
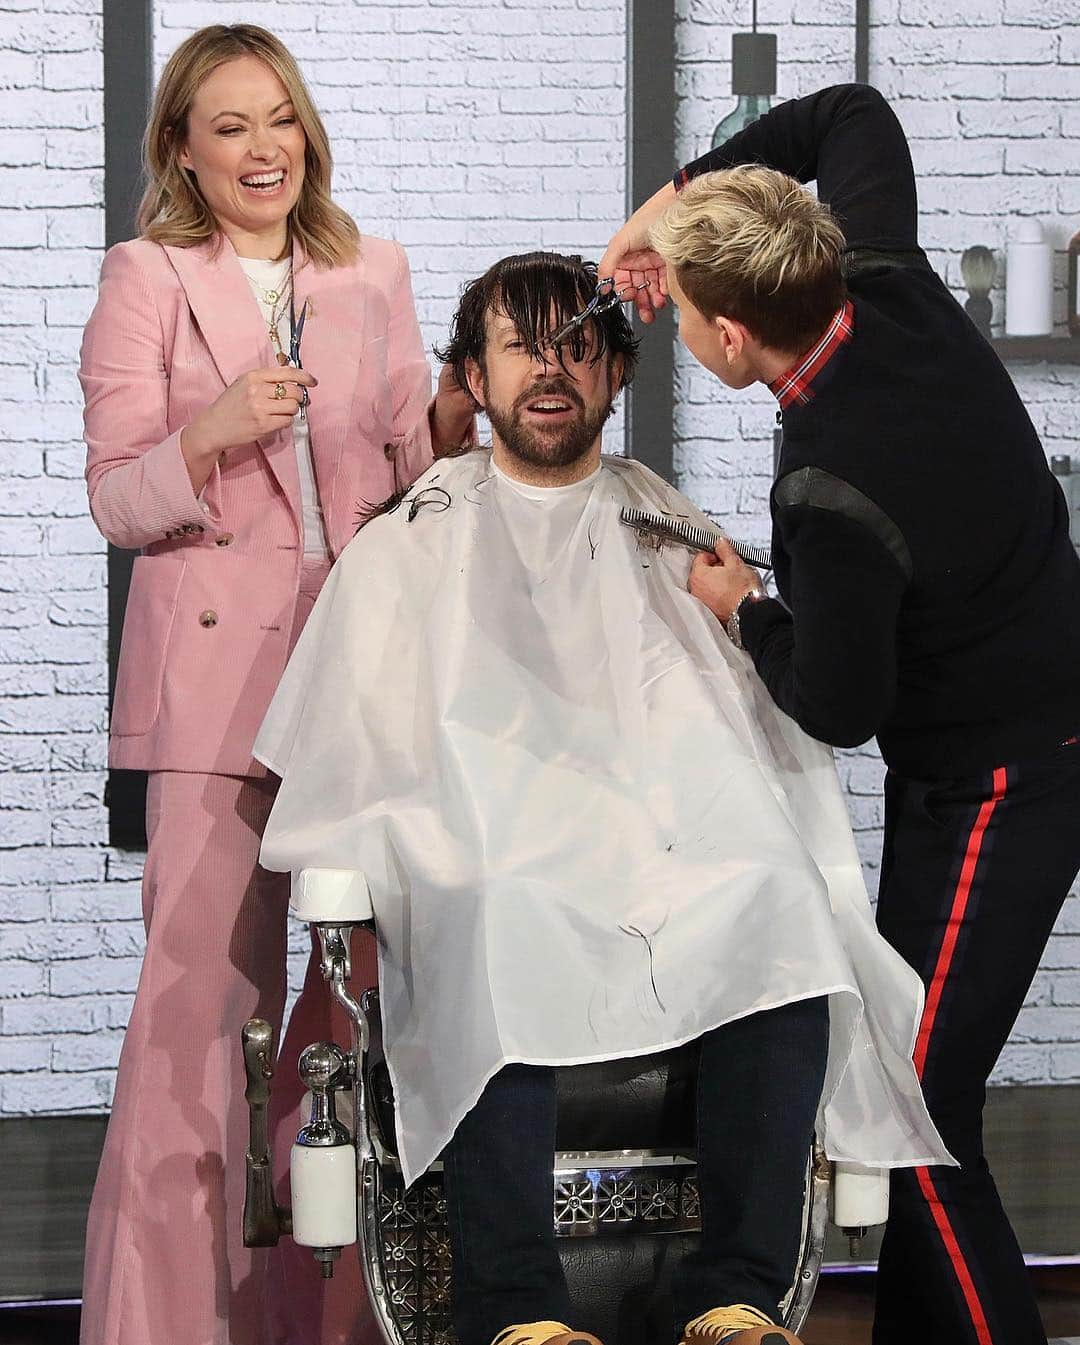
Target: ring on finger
(279,390)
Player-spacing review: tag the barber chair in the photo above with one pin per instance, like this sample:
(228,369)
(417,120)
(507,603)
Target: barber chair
(625,1199)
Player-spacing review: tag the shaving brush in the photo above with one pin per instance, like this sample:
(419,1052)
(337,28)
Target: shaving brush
(978,267)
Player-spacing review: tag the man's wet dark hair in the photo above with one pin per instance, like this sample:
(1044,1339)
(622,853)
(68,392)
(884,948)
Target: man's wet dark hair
(538,292)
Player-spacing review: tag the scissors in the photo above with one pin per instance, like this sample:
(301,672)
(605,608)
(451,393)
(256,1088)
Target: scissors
(297,326)
(603,300)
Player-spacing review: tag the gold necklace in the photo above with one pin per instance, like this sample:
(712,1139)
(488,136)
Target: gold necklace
(270,297)
(276,314)
(276,301)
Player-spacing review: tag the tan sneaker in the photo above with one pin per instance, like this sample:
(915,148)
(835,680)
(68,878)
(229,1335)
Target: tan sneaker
(544,1333)
(737,1324)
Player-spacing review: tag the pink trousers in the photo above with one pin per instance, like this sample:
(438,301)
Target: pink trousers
(165,1261)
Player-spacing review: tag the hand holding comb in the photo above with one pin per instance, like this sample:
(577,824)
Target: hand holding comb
(691,535)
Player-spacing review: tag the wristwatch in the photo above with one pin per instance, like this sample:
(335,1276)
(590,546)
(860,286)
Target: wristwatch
(733,628)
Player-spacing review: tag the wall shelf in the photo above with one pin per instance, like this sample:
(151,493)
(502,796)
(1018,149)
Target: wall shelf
(1053,349)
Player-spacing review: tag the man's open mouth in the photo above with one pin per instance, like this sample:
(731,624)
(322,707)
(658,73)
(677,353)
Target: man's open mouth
(550,406)
(264,183)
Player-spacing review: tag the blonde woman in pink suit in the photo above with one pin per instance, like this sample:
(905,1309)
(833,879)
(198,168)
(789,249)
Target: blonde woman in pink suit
(204,457)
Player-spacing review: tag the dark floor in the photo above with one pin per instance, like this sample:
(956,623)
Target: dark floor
(39,1326)
(844,1306)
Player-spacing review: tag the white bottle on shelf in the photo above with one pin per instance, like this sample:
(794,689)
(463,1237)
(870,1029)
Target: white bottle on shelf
(1029,281)
(1069,481)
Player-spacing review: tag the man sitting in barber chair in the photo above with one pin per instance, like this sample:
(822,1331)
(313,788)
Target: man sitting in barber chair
(588,835)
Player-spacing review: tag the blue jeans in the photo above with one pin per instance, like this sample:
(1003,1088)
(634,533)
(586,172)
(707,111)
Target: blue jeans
(759,1084)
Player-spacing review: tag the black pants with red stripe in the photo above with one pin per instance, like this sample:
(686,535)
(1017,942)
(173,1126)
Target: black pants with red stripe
(974,873)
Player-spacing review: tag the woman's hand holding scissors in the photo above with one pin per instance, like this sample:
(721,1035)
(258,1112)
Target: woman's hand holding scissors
(631,263)
(260,402)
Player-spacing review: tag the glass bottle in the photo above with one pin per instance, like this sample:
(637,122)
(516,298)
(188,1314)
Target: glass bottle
(749,107)
(753,82)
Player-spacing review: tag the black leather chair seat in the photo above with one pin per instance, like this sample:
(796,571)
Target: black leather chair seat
(642,1103)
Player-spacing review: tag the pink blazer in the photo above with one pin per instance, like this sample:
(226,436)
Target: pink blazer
(206,635)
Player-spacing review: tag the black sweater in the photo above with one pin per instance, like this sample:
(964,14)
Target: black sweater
(920,540)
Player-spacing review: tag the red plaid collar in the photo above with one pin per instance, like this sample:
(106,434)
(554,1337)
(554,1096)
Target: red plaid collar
(796,386)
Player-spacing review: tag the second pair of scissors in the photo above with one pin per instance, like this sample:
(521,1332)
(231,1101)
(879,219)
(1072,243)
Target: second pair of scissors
(297,324)
(293,358)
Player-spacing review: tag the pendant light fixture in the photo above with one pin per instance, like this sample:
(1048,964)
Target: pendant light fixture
(753,80)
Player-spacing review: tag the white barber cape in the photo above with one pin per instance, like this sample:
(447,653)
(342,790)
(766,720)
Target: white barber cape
(587,830)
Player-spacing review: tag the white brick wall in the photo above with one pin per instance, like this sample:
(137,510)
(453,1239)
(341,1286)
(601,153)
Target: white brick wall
(466,130)
(61,1017)
(989,94)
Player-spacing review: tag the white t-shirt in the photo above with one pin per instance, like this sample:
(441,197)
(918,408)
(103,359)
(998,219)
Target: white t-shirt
(265,277)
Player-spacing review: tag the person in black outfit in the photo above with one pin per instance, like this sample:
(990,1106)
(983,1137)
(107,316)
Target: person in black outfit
(929,596)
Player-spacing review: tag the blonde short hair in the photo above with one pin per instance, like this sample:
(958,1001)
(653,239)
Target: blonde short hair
(173,209)
(753,245)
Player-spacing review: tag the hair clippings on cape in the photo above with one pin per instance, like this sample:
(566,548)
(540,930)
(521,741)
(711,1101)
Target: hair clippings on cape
(476,487)
(368,511)
(430,495)
(604,299)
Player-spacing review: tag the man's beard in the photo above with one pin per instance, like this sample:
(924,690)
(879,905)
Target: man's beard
(547,448)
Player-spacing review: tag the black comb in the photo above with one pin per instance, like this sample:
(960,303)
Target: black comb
(689,534)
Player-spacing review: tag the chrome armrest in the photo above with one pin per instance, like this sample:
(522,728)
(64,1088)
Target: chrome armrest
(335,902)
(264,1220)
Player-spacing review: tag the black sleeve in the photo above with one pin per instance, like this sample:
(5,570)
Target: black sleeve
(849,141)
(831,662)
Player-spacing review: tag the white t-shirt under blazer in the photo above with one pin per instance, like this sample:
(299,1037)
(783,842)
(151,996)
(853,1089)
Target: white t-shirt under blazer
(266,277)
